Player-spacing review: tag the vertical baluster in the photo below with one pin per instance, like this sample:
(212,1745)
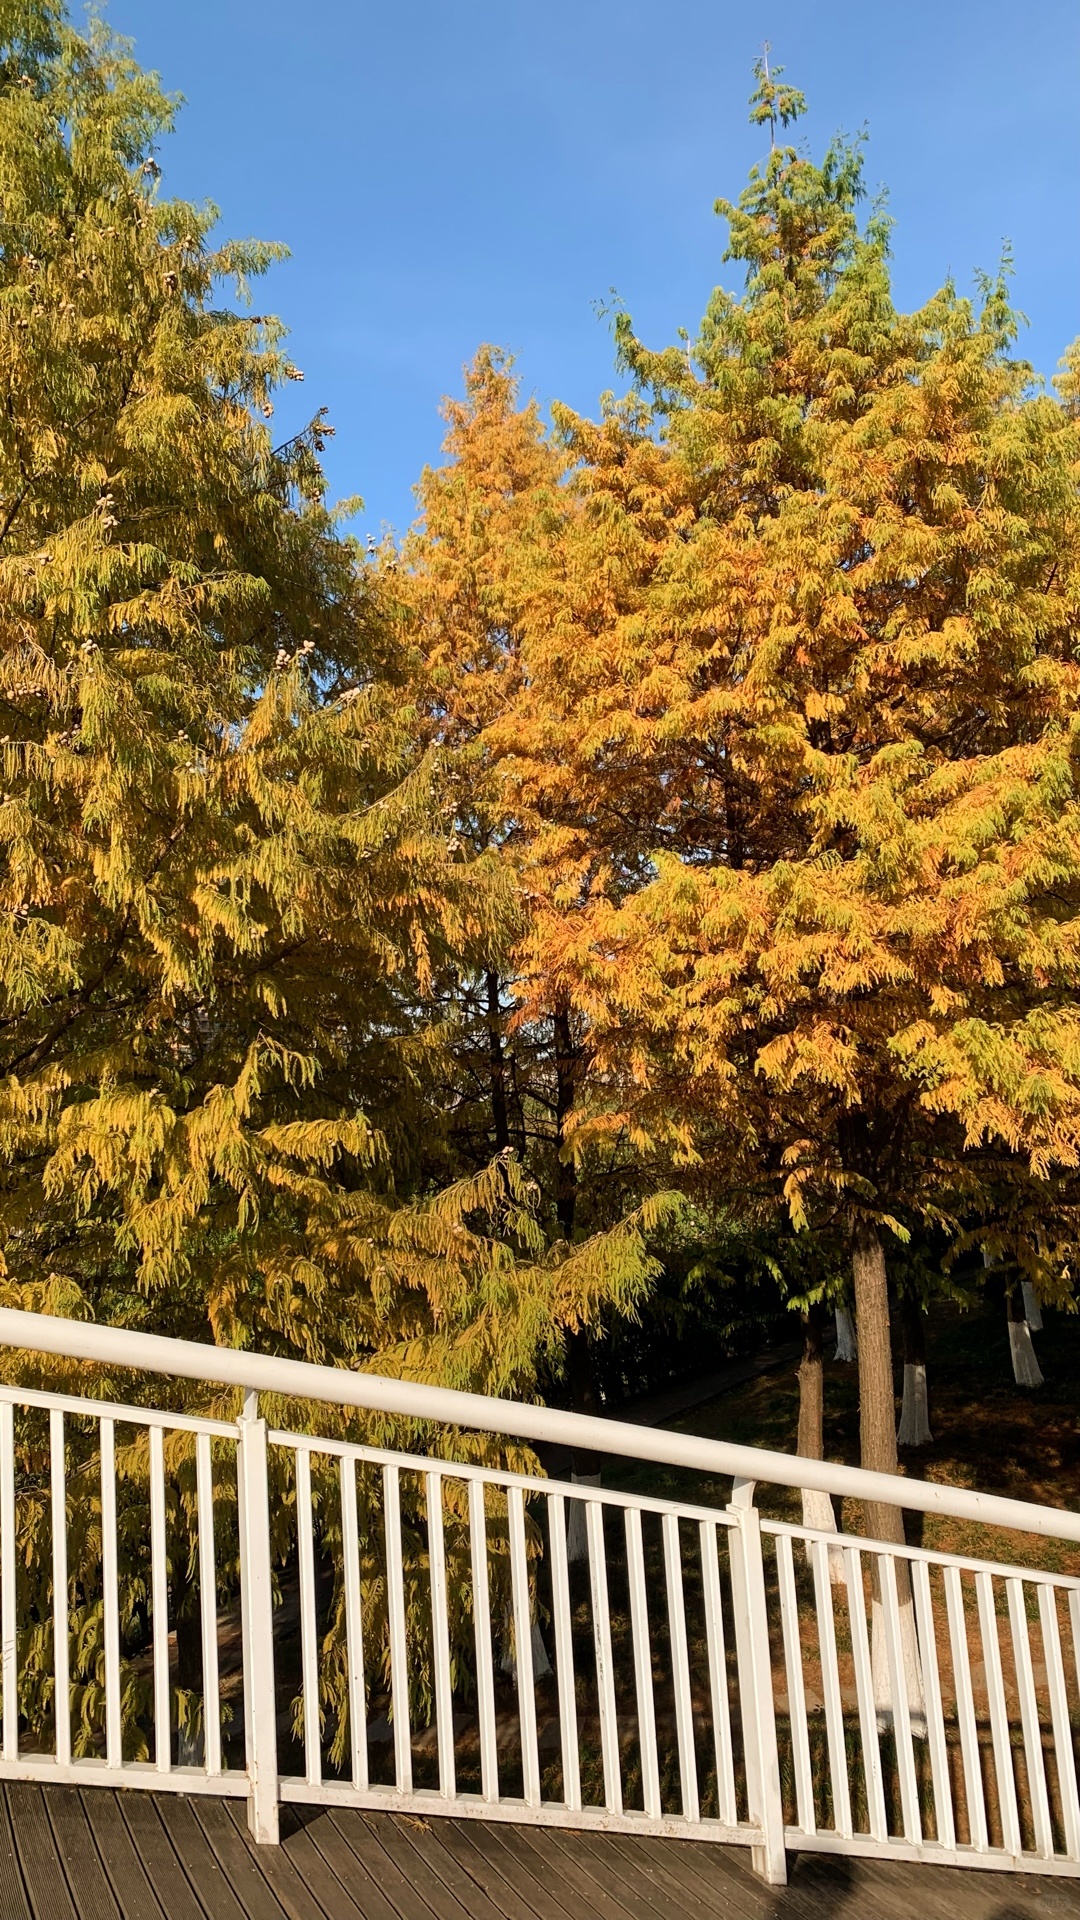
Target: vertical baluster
(9,1662)
(718,1677)
(440,1635)
(354,1625)
(999,1713)
(894,1647)
(257,1622)
(864,1687)
(1029,1720)
(523,1663)
(680,1663)
(485,1674)
(935,1718)
(564,1652)
(643,1668)
(159,1603)
(247,1611)
(605,1678)
(965,1710)
(204,1502)
(793,1661)
(61,1682)
(110,1588)
(309,1625)
(830,1686)
(1059,1717)
(395,1608)
(768,1855)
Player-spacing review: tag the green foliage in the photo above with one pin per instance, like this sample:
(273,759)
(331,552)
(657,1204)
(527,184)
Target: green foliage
(232,901)
(228,891)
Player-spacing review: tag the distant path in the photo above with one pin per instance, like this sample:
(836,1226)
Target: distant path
(659,1409)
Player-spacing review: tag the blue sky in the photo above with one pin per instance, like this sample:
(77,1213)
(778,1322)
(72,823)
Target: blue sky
(446,174)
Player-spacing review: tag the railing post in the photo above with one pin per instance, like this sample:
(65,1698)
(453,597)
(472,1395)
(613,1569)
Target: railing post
(257,1623)
(755,1685)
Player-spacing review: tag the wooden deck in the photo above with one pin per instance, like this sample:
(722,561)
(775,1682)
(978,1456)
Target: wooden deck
(90,1854)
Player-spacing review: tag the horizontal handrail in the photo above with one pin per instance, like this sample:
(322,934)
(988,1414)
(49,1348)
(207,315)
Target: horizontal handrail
(410,1399)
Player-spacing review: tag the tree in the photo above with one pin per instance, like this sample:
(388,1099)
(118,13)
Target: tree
(520,1052)
(230,892)
(800,705)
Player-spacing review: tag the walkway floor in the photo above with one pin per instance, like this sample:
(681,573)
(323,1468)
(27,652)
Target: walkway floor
(90,1854)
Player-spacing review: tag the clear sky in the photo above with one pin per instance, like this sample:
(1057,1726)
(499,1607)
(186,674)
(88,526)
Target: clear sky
(447,172)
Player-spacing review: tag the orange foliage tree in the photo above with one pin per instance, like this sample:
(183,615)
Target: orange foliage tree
(520,1055)
(792,745)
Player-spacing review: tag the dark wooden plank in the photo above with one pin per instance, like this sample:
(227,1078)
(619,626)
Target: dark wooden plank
(460,1884)
(89,1882)
(134,1894)
(93,1854)
(301,1893)
(393,1835)
(498,1844)
(354,1880)
(141,1813)
(819,1882)
(239,1861)
(467,1841)
(201,1865)
(13,1900)
(663,1876)
(722,1872)
(894,1890)
(711,1872)
(612,1862)
(897,1889)
(600,1856)
(43,1873)
(555,1856)
(406,1901)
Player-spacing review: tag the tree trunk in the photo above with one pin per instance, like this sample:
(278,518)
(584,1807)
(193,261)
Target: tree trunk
(1026,1369)
(810,1444)
(580,1366)
(565,1091)
(817,1508)
(1032,1309)
(877,1445)
(877,1402)
(914,1428)
(189,1679)
(1032,1305)
(497,1064)
(584,1464)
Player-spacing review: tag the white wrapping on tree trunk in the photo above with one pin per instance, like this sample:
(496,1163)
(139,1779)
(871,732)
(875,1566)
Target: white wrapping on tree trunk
(912,1663)
(1032,1311)
(577,1539)
(914,1428)
(540,1661)
(846,1348)
(818,1512)
(1026,1369)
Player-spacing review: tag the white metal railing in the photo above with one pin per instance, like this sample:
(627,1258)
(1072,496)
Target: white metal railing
(213,1604)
